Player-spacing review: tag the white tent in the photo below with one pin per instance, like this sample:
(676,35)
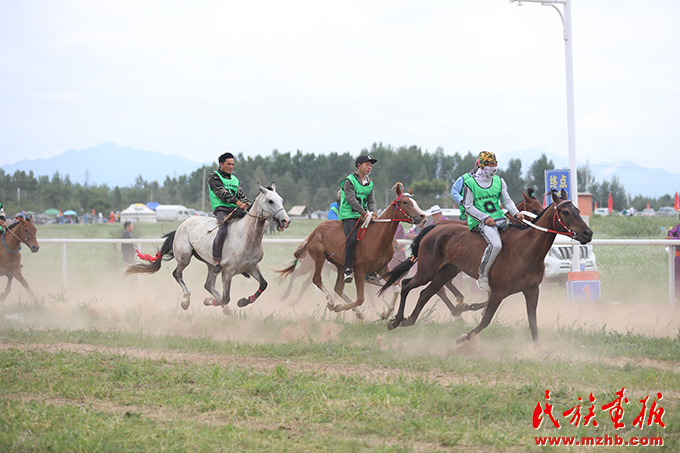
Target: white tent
(138,212)
(298,210)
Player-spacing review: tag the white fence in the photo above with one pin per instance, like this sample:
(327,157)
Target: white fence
(663,242)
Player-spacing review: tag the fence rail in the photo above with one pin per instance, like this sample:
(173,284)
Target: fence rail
(636,242)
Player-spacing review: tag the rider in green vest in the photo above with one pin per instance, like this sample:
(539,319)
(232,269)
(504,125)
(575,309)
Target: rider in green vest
(226,196)
(356,200)
(482,194)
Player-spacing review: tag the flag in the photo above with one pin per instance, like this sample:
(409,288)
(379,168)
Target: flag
(677,202)
(596,205)
(610,204)
(647,204)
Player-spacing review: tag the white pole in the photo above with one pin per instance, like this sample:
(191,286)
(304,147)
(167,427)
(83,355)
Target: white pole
(571,126)
(671,276)
(63,265)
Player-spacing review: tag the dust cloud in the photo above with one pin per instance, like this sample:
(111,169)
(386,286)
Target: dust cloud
(150,305)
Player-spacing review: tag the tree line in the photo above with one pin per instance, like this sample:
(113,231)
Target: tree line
(301,179)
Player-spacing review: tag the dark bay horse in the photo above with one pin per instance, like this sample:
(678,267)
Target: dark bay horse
(374,251)
(446,250)
(241,253)
(529,204)
(22,231)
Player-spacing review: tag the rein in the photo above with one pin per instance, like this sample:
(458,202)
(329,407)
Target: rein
(569,233)
(395,202)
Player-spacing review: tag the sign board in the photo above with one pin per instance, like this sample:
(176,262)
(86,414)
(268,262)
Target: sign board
(583,286)
(558,180)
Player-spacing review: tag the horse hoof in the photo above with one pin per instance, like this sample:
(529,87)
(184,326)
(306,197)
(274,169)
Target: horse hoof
(360,316)
(462,339)
(407,322)
(393,324)
(330,306)
(227,311)
(242,302)
(185,304)
(338,308)
(208,302)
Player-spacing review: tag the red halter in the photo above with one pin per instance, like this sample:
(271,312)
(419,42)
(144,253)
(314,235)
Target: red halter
(569,233)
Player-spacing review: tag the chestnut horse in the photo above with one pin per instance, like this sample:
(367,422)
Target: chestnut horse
(446,250)
(22,231)
(529,204)
(374,251)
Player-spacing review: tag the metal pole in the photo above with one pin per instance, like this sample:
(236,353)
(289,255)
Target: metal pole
(671,276)
(63,265)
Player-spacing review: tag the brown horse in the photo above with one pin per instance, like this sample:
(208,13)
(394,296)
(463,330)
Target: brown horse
(374,251)
(530,204)
(446,250)
(22,231)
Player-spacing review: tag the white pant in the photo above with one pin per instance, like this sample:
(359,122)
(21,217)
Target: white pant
(493,238)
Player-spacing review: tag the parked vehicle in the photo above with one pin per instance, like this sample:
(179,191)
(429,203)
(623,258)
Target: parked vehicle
(649,212)
(558,261)
(667,211)
(172,213)
(601,211)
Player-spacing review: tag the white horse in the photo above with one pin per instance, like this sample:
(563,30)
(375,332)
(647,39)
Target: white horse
(241,253)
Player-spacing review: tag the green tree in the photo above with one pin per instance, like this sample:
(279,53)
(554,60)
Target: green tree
(536,176)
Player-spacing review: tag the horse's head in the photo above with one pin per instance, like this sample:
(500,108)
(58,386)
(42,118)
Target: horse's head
(407,206)
(270,206)
(567,218)
(530,203)
(26,232)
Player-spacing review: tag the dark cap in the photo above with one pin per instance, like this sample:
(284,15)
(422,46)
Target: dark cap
(364,158)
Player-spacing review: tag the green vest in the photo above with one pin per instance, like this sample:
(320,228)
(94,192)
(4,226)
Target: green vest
(486,200)
(361,193)
(466,177)
(231,185)
(335,210)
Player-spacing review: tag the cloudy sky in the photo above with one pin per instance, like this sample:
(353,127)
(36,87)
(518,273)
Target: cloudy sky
(197,78)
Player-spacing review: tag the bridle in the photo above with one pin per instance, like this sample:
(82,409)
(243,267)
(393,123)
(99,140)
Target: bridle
(262,210)
(556,218)
(395,202)
(25,241)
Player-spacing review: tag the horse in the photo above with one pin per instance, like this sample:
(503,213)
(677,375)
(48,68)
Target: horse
(22,231)
(241,253)
(529,204)
(374,251)
(446,250)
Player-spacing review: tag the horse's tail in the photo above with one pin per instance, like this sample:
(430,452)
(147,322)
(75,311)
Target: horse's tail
(299,253)
(165,253)
(402,268)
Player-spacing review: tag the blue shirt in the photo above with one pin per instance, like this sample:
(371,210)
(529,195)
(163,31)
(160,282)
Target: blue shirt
(457,190)
(333,215)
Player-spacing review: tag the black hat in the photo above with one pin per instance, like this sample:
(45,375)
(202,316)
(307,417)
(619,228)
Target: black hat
(364,158)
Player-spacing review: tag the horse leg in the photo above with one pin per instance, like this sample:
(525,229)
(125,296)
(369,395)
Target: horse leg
(493,302)
(406,287)
(442,277)
(359,279)
(442,295)
(8,288)
(254,272)
(209,286)
(531,297)
(20,278)
(460,299)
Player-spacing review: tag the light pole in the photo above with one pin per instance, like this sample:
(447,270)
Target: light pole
(571,129)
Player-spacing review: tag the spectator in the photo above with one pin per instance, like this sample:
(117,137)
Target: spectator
(675,234)
(128,249)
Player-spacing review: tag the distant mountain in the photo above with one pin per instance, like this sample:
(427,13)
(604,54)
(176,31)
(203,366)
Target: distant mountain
(114,165)
(635,179)
(110,164)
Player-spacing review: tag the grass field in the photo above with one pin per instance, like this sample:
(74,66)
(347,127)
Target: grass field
(111,363)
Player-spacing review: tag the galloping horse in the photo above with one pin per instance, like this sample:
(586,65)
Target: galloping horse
(374,251)
(22,231)
(241,253)
(529,204)
(446,250)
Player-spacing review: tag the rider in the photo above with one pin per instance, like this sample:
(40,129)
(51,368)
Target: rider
(457,189)
(333,210)
(226,196)
(356,199)
(3,219)
(481,195)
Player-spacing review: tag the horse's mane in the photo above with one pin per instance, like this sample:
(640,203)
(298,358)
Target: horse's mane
(416,242)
